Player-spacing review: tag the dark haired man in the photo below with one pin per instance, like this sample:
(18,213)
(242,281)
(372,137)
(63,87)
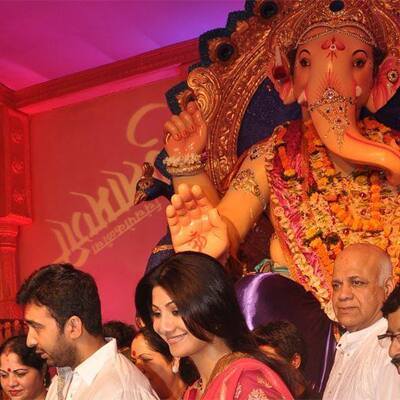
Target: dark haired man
(63,314)
(391,311)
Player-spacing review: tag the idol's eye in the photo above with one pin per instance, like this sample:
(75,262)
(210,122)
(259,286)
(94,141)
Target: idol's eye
(305,62)
(359,62)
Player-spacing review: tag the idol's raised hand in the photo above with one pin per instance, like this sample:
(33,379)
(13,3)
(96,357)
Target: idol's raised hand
(194,224)
(186,133)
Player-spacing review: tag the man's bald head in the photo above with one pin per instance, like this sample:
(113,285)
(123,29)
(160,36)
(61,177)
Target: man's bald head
(362,279)
(370,256)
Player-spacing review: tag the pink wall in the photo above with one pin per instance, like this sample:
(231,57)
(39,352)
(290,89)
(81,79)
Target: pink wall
(86,158)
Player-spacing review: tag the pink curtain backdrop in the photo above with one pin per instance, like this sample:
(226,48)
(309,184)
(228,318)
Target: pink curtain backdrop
(86,159)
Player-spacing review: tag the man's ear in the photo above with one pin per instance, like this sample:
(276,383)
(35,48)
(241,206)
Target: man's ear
(296,360)
(389,286)
(73,328)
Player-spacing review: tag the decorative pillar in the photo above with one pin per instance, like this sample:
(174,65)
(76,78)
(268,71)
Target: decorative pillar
(15,201)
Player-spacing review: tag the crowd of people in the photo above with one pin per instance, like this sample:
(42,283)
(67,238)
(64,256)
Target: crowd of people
(192,341)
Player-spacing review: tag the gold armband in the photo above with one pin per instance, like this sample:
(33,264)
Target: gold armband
(246,181)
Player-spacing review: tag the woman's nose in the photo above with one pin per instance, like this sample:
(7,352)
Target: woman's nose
(163,325)
(12,380)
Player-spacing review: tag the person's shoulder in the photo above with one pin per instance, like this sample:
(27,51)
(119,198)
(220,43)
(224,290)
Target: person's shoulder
(388,381)
(127,370)
(246,362)
(248,366)
(256,379)
(121,373)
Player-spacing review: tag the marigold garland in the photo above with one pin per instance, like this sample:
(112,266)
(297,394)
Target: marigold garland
(327,245)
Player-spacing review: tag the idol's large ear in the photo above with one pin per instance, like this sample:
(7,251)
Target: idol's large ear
(281,78)
(386,83)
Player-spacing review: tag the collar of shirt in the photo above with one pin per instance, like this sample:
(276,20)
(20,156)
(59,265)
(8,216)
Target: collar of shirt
(89,368)
(351,341)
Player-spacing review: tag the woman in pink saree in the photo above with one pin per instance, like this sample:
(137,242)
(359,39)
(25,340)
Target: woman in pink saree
(191,303)
(244,379)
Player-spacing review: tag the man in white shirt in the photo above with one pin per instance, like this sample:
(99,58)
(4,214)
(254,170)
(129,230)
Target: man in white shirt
(63,314)
(391,311)
(362,280)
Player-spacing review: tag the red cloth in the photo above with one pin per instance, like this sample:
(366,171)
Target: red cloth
(244,379)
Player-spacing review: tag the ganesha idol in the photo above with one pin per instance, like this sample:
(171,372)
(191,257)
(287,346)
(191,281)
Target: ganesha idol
(327,179)
(326,167)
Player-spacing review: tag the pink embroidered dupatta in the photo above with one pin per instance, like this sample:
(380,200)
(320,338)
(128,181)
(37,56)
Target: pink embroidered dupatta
(244,379)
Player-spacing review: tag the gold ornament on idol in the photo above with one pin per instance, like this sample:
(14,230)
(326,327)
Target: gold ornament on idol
(374,22)
(334,107)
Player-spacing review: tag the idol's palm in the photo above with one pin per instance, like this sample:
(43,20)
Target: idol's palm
(194,224)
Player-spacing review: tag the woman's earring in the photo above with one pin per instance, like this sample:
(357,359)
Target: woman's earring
(175,365)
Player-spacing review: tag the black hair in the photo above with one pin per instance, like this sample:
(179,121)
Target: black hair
(27,355)
(123,333)
(66,292)
(392,303)
(187,370)
(284,337)
(156,342)
(205,297)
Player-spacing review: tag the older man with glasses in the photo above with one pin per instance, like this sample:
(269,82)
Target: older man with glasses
(391,311)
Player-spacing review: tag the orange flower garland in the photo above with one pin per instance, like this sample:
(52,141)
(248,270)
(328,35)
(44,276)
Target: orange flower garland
(355,201)
(325,171)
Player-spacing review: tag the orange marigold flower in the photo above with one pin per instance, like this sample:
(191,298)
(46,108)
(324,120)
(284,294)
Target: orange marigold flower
(318,164)
(330,172)
(331,197)
(375,188)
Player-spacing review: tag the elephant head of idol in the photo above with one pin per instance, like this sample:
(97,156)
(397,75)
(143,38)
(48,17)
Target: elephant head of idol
(333,58)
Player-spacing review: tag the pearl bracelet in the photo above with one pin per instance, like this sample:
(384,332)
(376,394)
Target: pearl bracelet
(186,165)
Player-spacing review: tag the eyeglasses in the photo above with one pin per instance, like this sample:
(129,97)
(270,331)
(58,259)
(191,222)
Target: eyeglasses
(391,336)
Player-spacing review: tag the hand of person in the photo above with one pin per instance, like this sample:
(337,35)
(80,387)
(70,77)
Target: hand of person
(186,133)
(195,225)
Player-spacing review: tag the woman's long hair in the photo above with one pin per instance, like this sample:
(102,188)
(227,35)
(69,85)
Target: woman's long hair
(205,297)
